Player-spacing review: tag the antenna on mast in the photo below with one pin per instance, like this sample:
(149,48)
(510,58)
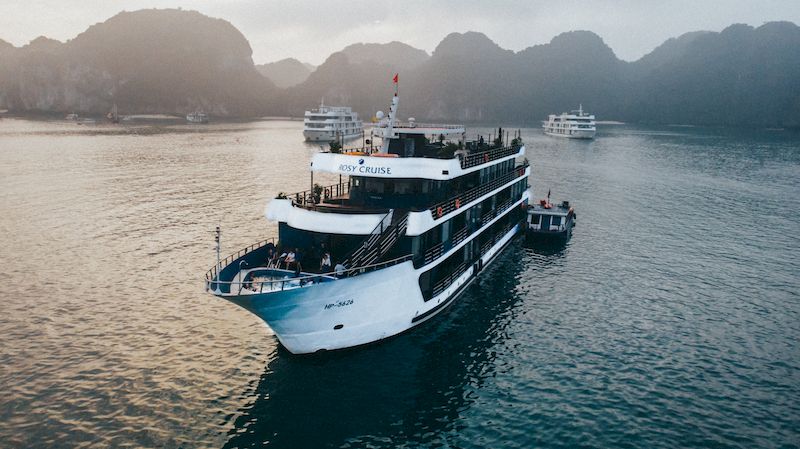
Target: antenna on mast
(217,235)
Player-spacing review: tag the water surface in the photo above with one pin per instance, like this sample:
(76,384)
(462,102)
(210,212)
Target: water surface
(671,319)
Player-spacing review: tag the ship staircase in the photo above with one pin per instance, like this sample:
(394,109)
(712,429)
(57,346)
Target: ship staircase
(379,242)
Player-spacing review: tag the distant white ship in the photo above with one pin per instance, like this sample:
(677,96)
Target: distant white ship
(331,123)
(197,117)
(573,125)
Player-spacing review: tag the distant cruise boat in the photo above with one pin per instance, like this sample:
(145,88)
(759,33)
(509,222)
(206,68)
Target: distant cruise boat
(330,123)
(573,125)
(197,117)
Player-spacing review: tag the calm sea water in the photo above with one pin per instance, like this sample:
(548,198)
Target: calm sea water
(672,318)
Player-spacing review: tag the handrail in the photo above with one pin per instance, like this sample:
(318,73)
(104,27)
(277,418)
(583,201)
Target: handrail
(210,274)
(462,267)
(459,236)
(471,160)
(311,198)
(369,241)
(310,277)
(463,199)
(449,279)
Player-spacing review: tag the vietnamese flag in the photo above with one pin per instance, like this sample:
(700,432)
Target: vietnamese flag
(395,78)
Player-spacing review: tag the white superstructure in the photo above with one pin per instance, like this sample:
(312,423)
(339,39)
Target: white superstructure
(574,125)
(329,123)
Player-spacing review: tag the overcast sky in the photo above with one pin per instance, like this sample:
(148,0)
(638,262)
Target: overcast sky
(312,30)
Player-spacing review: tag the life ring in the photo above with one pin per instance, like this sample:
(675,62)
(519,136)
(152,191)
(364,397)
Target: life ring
(458,203)
(439,212)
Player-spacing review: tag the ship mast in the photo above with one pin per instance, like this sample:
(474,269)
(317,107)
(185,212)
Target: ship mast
(392,117)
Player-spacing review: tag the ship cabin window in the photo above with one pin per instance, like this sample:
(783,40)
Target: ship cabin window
(535,219)
(404,193)
(556,221)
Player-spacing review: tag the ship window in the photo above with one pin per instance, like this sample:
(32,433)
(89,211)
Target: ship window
(536,219)
(374,185)
(556,221)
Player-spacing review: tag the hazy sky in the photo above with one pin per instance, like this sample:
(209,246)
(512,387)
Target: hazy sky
(312,30)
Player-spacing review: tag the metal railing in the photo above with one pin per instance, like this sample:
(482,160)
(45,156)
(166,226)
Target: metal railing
(460,200)
(471,160)
(306,280)
(212,273)
(435,251)
(488,216)
(310,198)
(496,238)
(445,282)
(449,279)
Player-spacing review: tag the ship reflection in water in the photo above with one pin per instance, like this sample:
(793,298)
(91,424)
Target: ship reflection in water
(410,389)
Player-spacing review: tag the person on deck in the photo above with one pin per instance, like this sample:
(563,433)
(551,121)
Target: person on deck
(325,263)
(289,259)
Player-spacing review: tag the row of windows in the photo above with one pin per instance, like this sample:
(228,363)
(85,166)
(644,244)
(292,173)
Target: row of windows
(433,281)
(346,118)
(471,220)
(348,126)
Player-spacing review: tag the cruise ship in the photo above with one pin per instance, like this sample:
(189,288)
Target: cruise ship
(574,125)
(419,214)
(197,117)
(329,123)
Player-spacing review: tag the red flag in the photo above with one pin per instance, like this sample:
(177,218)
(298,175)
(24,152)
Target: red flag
(395,78)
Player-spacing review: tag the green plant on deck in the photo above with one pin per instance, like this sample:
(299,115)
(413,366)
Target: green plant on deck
(449,149)
(336,147)
(316,193)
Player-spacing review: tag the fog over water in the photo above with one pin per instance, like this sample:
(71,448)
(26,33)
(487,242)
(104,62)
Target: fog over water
(311,30)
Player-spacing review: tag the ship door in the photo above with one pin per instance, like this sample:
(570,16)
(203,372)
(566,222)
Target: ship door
(545,223)
(408,148)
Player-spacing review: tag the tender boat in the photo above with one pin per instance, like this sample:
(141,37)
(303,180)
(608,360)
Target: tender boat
(547,221)
(574,125)
(415,220)
(328,123)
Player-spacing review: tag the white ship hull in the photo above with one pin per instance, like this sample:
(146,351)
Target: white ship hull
(357,310)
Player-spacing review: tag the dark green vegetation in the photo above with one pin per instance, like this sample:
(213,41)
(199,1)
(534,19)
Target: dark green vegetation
(177,61)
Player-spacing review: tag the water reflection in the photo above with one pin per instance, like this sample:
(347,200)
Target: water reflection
(554,247)
(409,389)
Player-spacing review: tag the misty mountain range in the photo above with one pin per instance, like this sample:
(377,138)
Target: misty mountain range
(174,61)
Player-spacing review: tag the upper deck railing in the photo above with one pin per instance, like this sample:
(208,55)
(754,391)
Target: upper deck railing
(483,157)
(410,125)
(462,199)
(310,198)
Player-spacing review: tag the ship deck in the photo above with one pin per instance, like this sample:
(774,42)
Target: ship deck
(254,281)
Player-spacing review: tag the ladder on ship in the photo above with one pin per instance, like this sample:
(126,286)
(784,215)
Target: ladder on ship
(379,242)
